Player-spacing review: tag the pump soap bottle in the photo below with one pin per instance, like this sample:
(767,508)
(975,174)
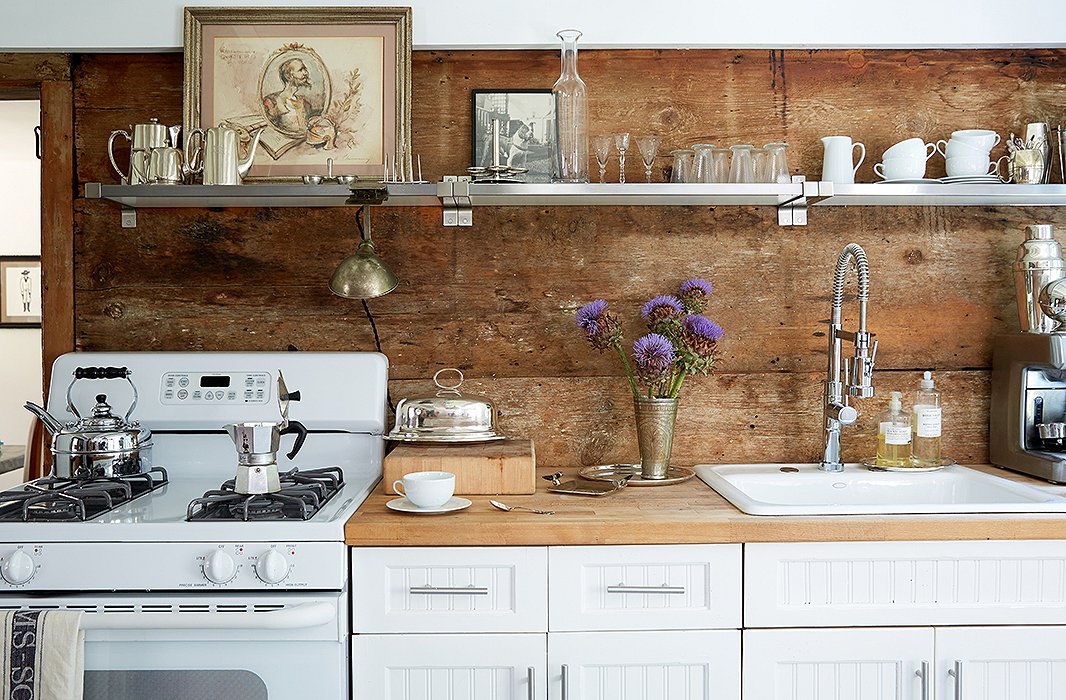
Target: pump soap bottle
(925,451)
(894,435)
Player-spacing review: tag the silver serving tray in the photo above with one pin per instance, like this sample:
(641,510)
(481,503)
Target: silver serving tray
(445,439)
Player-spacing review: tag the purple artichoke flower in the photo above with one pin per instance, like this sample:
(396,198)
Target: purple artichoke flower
(694,294)
(601,328)
(653,354)
(661,308)
(701,334)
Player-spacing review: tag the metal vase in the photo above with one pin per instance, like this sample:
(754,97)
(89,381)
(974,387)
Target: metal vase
(655,435)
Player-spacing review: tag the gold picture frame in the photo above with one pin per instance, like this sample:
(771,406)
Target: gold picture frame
(318,82)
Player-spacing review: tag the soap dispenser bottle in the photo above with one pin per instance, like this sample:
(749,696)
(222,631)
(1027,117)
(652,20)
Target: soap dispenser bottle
(894,435)
(925,451)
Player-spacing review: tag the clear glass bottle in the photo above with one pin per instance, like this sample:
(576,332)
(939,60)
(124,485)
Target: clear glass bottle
(925,448)
(894,434)
(571,150)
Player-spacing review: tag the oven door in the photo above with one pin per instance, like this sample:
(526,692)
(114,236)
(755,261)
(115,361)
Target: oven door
(254,647)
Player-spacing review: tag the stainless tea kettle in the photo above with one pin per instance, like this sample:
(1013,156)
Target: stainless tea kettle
(142,139)
(102,445)
(217,154)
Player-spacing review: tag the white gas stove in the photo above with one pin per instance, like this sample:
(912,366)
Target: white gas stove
(144,569)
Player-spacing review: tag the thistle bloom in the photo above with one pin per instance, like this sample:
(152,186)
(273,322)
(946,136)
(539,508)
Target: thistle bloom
(653,354)
(601,328)
(694,294)
(661,308)
(701,334)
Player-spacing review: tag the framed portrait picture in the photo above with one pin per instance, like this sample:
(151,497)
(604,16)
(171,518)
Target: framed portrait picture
(318,82)
(20,292)
(526,121)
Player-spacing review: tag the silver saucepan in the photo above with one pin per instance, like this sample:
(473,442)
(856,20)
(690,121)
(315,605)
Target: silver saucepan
(101,445)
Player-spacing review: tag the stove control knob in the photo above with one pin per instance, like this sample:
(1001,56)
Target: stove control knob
(272,567)
(219,567)
(18,568)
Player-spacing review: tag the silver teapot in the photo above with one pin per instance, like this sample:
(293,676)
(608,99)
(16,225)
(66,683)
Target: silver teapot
(142,139)
(217,154)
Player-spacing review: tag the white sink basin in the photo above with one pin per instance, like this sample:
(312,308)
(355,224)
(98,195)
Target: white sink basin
(804,489)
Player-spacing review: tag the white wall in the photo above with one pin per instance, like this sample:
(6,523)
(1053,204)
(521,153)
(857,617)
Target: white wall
(156,25)
(20,234)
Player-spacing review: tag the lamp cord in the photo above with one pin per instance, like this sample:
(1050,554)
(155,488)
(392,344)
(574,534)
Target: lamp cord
(377,344)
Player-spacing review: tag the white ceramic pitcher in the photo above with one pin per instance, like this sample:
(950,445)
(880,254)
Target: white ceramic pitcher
(837,161)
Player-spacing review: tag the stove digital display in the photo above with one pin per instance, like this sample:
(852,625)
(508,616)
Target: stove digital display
(214,381)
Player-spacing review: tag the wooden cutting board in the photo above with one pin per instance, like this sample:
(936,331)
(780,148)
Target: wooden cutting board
(502,467)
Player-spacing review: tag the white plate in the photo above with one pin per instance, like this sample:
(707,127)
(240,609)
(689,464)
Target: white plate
(907,181)
(973,179)
(405,506)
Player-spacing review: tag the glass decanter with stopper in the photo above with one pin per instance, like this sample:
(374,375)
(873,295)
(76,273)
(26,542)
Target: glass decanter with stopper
(571,161)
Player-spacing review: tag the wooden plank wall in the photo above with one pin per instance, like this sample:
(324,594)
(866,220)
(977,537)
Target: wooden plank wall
(498,299)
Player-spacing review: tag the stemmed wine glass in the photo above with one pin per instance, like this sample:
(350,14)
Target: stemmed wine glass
(621,142)
(602,145)
(648,147)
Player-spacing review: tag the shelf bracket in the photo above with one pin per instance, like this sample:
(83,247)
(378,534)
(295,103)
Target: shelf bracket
(794,211)
(129,217)
(454,193)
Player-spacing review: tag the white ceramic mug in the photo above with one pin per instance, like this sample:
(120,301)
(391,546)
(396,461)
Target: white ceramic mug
(983,138)
(904,168)
(426,489)
(910,148)
(970,166)
(837,161)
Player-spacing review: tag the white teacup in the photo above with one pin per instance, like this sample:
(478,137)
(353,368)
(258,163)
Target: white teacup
(915,148)
(982,138)
(959,166)
(902,168)
(954,148)
(426,489)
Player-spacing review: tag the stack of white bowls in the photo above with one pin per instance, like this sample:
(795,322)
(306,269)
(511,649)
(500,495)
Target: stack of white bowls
(967,152)
(905,161)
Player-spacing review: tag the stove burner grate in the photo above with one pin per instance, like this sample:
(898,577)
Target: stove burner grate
(302,494)
(55,499)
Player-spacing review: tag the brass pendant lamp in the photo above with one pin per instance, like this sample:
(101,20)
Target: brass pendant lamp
(363,275)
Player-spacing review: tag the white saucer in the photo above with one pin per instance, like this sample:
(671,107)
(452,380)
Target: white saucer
(907,181)
(973,179)
(404,506)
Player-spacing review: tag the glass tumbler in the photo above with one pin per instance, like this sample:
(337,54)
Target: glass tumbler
(720,164)
(760,160)
(741,165)
(778,165)
(702,166)
(682,169)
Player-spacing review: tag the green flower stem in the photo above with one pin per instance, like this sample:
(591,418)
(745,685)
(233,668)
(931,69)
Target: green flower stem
(629,370)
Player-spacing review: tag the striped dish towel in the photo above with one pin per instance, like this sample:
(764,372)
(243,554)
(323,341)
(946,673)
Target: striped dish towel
(43,656)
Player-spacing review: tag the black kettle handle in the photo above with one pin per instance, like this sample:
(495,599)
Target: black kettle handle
(297,427)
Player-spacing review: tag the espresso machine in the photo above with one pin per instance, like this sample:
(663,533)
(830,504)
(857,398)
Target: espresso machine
(257,446)
(1027,425)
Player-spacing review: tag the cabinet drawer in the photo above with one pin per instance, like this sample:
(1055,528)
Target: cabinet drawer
(449,589)
(904,583)
(644,587)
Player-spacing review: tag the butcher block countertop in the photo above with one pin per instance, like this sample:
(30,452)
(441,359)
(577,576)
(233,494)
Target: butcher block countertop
(688,513)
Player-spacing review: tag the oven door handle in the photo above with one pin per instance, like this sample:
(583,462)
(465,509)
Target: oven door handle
(296,617)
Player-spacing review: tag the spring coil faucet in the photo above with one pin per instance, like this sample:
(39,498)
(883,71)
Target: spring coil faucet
(836,410)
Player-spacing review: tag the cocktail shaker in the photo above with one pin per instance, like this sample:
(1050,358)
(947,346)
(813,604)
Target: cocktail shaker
(1039,262)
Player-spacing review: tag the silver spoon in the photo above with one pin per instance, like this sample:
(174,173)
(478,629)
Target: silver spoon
(504,506)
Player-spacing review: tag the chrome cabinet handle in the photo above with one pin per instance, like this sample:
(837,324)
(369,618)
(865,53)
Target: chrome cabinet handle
(531,682)
(670,590)
(923,673)
(956,673)
(566,683)
(449,590)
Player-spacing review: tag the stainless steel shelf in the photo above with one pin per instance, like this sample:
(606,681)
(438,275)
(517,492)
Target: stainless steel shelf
(636,193)
(939,194)
(253,195)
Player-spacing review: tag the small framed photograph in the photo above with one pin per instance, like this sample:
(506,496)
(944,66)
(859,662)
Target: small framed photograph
(526,121)
(20,292)
(318,83)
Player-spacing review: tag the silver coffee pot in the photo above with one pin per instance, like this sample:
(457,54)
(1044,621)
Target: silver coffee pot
(257,446)
(142,139)
(217,154)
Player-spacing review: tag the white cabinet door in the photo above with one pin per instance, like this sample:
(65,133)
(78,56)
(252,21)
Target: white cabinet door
(834,664)
(1001,663)
(451,666)
(689,665)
